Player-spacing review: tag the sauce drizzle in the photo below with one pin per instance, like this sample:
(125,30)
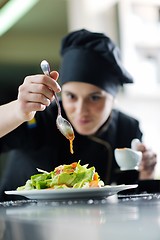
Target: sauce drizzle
(71,137)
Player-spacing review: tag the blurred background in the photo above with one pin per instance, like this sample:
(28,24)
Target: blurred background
(31,30)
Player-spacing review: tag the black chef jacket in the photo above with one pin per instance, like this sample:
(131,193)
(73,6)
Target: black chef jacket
(39,144)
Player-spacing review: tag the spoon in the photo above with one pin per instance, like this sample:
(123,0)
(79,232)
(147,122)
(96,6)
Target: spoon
(62,124)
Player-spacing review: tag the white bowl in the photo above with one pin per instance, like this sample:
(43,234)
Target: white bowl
(127,158)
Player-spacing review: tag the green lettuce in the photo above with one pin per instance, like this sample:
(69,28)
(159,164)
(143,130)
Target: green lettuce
(64,176)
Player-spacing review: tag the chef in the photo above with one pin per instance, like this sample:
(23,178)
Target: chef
(91,74)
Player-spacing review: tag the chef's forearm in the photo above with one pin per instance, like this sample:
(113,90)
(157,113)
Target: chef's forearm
(9,119)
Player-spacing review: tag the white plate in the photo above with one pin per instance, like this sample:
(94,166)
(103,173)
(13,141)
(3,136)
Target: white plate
(72,193)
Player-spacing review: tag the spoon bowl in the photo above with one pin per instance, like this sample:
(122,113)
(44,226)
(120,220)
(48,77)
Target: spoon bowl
(65,127)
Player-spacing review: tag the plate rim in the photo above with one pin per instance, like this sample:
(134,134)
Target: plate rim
(48,192)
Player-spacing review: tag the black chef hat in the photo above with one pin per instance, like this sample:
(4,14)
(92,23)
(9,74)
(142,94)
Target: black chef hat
(92,58)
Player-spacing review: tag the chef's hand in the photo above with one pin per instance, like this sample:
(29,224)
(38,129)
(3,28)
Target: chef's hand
(148,163)
(35,94)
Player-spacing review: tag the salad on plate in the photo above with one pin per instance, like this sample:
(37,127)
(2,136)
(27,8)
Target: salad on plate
(64,176)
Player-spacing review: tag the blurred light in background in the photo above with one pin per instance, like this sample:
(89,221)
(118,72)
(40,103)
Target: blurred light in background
(12,11)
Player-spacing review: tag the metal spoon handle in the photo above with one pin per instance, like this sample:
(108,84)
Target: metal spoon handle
(46,70)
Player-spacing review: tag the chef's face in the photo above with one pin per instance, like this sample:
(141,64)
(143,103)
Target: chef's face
(87,106)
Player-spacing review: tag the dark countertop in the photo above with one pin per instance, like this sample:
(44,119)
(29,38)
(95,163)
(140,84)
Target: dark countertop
(125,217)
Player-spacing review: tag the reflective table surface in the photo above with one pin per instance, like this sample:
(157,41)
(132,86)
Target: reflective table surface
(116,217)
